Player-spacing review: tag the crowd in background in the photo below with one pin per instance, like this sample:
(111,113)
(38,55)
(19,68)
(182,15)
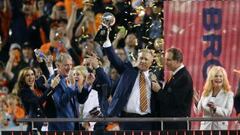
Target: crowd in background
(56,26)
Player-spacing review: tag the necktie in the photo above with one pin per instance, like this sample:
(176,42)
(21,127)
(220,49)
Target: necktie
(170,78)
(143,93)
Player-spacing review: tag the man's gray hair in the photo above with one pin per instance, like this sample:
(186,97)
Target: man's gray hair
(63,57)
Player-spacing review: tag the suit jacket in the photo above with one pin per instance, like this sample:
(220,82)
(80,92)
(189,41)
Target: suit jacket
(102,85)
(67,100)
(224,103)
(34,105)
(175,98)
(237,99)
(128,75)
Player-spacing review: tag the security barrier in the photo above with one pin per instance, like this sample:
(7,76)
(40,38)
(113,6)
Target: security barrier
(235,132)
(101,132)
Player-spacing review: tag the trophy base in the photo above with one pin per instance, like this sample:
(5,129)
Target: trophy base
(101,36)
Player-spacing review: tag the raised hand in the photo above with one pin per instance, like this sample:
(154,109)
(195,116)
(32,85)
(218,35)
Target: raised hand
(237,72)
(39,55)
(90,79)
(11,56)
(55,81)
(94,61)
(70,79)
(49,60)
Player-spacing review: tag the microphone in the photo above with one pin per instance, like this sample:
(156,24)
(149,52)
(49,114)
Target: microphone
(152,77)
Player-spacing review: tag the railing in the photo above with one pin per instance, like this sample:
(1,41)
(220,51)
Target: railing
(142,119)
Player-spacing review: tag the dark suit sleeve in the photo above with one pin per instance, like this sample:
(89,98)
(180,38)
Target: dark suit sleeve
(101,79)
(83,96)
(69,93)
(115,60)
(103,86)
(154,103)
(75,56)
(44,69)
(237,102)
(28,97)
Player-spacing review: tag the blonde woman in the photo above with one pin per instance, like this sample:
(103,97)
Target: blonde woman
(216,99)
(80,73)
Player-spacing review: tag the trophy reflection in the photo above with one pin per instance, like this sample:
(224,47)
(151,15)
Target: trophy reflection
(108,20)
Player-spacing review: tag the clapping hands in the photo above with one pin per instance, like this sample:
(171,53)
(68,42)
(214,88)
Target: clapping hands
(55,81)
(70,80)
(90,79)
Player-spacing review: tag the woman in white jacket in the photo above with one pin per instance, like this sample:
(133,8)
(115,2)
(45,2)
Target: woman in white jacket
(216,99)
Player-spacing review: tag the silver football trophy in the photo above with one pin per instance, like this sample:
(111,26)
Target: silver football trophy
(108,20)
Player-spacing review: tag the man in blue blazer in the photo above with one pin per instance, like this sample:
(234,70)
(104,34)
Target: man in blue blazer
(67,96)
(126,99)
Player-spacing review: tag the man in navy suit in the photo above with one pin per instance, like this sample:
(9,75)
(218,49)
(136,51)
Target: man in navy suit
(175,98)
(126,99)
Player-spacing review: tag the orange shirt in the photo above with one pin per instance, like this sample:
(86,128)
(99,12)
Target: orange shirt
(68,5)
(19,112)
(45,48)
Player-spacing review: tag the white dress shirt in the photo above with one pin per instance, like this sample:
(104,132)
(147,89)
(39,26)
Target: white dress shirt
(90,103)
(133,104)
(179,68)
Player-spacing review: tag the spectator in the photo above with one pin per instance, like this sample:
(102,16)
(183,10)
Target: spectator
(98,94)
(87,25)
(21,22)
(3,80)
(68,95)
(5,118)
(15,108)
(216,99)
(27,52)
(5,17)
(237,97)
(34,95)
(59,11)
(14,64)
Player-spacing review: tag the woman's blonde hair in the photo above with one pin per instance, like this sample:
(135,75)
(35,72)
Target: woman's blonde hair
(208,86)
(82,69)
